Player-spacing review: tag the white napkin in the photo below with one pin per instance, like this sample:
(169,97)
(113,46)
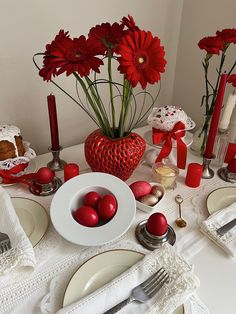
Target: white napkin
(21,252)
(183,283)
(228,241)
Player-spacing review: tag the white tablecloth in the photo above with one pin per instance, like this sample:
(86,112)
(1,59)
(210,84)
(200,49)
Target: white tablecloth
(57,259)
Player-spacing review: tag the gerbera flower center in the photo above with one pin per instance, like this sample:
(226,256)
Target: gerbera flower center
(141,60)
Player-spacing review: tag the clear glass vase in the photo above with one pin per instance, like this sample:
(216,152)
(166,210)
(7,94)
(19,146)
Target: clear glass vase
(200,137)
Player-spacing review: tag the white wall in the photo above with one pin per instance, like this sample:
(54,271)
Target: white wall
(26,26)
(199,19)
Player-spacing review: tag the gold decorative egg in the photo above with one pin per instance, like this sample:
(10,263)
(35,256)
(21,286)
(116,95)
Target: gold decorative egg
(149,200)
(156,191)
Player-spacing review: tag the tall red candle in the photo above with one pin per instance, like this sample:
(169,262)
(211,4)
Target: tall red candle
(52,110)
(215,117)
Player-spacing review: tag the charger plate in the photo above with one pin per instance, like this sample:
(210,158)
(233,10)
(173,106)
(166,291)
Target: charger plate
(33,218)
(98,271)
(220,198)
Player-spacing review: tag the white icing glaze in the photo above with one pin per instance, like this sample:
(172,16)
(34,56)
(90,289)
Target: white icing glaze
(8,133)
(164,118)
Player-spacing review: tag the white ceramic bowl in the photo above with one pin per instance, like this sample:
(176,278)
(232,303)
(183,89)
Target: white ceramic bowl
(69,197)
(149,209)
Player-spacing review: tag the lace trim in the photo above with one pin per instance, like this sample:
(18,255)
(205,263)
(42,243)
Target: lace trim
(10,163)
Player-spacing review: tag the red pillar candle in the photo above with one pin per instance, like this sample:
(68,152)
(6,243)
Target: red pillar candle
(70,170)
(52,110)
(215,117)
(194,175)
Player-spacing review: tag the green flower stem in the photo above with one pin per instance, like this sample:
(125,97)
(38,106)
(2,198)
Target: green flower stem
(124,105)
(99,118)
(108,131)
(111,92)
(232,68)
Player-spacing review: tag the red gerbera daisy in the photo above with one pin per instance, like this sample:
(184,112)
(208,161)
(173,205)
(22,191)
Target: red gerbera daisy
(212,44)
(142,58)
(129,23)
(228,35)
(232,79)
(107,36)
(70,55)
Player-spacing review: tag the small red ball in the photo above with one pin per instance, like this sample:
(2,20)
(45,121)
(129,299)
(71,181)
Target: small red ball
(157,224)
(44,175)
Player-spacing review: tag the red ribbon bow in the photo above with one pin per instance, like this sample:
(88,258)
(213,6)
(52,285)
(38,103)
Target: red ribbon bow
(159,136)
(8,176)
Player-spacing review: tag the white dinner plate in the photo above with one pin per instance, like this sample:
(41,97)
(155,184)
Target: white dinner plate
(220,198)
(29,169)
(33,218)
(69,197)
(98,271)
(188,139)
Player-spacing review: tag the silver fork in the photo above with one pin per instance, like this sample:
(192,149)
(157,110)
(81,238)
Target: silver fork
(225,228)
(5,243)
(145,291)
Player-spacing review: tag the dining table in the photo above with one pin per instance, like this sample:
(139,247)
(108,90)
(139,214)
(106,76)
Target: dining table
(41,290)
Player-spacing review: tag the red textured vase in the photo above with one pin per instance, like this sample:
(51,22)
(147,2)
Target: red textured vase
(119,156)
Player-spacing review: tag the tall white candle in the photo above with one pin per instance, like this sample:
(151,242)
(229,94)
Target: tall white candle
(232,127)
(229,107)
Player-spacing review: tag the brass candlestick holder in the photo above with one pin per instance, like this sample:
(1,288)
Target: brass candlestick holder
(56,164)
(207,172)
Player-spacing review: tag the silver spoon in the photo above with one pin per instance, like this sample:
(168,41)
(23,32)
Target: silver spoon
(180,222)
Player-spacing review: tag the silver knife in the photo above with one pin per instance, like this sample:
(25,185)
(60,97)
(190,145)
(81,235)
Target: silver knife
(225,228)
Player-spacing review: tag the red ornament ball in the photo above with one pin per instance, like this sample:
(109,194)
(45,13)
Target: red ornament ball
(44,175)
(157,224)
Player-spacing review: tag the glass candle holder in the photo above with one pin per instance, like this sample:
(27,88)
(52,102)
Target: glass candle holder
(165,174)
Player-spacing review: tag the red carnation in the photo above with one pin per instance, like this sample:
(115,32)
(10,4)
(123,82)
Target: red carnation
(142,58)
(107,36)
(228,35)
(232,79)
(212,44)
(70,55)
(129,23)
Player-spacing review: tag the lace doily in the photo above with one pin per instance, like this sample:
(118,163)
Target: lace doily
(10,163)
(164,118)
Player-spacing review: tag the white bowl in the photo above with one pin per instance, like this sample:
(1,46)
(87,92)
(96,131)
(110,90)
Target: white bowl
(149,209)
(69,197)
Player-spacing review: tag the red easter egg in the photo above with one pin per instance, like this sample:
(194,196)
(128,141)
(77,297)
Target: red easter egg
(107,206)
(140,188)
(86,216)
(44,175)
(91,199)
(157,224)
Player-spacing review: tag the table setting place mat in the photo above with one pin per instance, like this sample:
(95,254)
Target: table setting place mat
(218,219)
(182,284)
(21,254)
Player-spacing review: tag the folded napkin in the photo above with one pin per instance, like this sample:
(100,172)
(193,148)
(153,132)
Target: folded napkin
(183,283)
(228,241)
(21,252)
